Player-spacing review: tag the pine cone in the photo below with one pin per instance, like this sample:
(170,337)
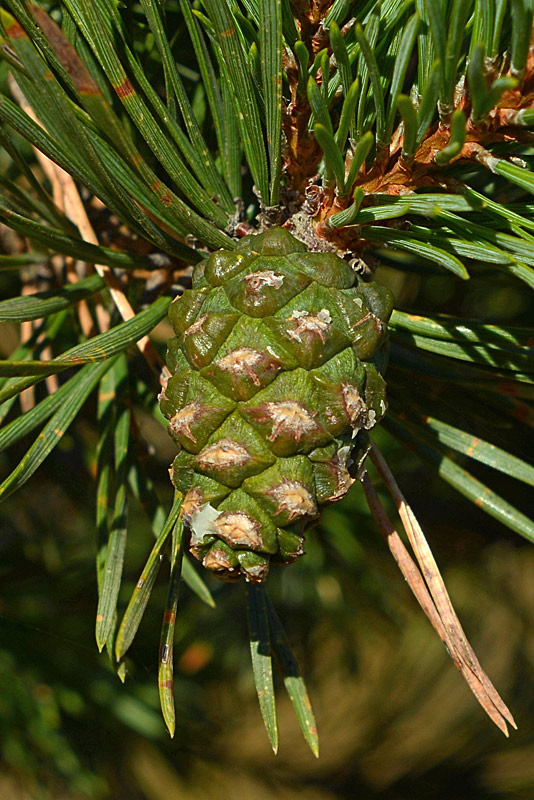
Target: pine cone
(276,367)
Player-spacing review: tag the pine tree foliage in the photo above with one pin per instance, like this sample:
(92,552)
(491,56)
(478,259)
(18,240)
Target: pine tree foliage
(141,137)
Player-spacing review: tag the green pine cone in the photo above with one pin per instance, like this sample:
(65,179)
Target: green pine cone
(275,381)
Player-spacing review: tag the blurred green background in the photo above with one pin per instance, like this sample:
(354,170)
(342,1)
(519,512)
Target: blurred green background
(395,718)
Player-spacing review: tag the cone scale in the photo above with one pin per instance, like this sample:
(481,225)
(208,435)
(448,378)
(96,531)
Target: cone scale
(275,381)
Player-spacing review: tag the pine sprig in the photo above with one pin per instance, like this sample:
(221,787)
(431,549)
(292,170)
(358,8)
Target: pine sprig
(395,133)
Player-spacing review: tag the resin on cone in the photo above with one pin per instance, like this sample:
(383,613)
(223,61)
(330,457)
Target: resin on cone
(275,380)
